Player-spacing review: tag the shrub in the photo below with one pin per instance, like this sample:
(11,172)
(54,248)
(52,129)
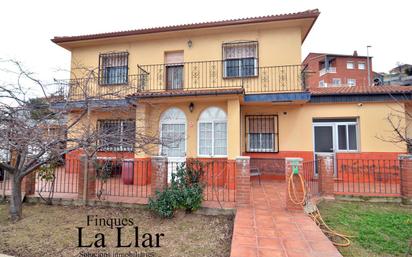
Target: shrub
(185,191)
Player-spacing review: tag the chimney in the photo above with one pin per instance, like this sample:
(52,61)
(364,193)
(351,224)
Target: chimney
(355,53)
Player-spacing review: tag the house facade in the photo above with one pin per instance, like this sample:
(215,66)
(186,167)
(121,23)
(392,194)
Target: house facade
(228,89)
(338,70)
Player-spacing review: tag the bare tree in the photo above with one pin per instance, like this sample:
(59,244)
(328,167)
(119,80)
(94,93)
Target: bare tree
(400,123)
(24,122)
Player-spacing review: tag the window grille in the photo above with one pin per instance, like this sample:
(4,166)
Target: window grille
(262,133)
(113,68)
(116,135)
(240,59)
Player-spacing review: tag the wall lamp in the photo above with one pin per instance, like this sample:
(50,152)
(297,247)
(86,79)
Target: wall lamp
(189,43)
(191,107)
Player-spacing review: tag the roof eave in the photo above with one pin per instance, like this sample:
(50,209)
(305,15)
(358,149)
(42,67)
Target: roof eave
(304,15)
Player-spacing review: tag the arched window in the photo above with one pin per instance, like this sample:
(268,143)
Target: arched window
(173,133)
(212,132)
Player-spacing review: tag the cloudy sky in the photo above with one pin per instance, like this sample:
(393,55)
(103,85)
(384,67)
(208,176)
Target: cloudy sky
(26,27)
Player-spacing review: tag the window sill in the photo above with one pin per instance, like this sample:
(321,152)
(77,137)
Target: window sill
(114,84)
(241,77)
(211,156)
(262,151)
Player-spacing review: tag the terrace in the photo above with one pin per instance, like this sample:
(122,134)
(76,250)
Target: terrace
(199,76)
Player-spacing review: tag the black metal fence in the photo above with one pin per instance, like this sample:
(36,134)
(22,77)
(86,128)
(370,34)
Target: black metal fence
(272,168)
(5,183)
(310,177)
(367,177)
(61,181)
(218,178)
(127,178)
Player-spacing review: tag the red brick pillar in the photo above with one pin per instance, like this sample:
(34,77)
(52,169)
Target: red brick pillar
(87,179)
(326,174)
(28,184)
(405,162)
(159,174)
(242,174)
(291,165)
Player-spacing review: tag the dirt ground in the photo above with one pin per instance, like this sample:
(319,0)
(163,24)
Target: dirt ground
(52,231)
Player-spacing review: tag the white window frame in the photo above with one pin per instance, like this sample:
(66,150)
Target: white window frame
(336,79)
(348,63)
(262,150)
(364,65)
(213,121)
(334,126)
(322,83)
(351,84)
(172,122)
(239,60)
(336,132)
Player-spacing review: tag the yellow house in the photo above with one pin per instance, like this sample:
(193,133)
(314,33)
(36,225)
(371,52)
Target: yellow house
(227,89)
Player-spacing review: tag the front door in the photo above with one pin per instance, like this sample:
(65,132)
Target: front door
(323,139)
(174,146)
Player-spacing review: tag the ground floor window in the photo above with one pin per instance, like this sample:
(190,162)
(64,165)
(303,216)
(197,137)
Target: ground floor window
(334,135)
(212,132)
(116,135)
(261,133)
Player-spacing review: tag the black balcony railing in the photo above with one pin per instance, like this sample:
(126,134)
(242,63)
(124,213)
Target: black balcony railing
(221,74)
(191,76)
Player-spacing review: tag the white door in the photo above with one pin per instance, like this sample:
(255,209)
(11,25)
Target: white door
(173,146)
(173,137)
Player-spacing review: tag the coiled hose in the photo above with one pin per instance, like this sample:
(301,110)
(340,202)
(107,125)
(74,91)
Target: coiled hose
(314,213)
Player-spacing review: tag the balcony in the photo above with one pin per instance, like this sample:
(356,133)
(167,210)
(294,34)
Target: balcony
(187,76)
(328,70)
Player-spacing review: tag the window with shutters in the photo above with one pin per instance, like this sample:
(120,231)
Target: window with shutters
(240,59)
(261,133)
(174,70)
(113,68)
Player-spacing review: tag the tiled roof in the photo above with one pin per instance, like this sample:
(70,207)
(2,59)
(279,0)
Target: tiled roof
(205,92)
(289,16)
(360,90)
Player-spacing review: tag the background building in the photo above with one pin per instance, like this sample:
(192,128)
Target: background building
(337,70)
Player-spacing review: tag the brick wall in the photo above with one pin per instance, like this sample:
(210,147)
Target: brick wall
(88,180)
(243,181)
(406,178)
(342,72)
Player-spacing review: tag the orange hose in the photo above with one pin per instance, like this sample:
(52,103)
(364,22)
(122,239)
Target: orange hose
(315,215)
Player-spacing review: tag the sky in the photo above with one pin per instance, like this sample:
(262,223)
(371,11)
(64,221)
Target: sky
(26,27)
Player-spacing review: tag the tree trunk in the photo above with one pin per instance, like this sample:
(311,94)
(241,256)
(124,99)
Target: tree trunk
(16,201)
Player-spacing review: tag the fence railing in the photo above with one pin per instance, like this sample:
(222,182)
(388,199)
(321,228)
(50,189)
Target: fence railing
(201,75)
(271,168)
(62,181)
(5,183)
(310,177)
(218,178)
(218,75)
(128,178)
(367,177)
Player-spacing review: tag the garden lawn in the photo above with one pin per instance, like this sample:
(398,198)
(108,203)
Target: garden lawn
(380,229)
(51,231)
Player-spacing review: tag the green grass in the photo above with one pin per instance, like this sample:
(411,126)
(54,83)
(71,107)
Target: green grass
(380,229)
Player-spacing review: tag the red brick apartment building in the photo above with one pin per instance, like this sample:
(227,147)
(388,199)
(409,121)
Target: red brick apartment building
(326,70)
